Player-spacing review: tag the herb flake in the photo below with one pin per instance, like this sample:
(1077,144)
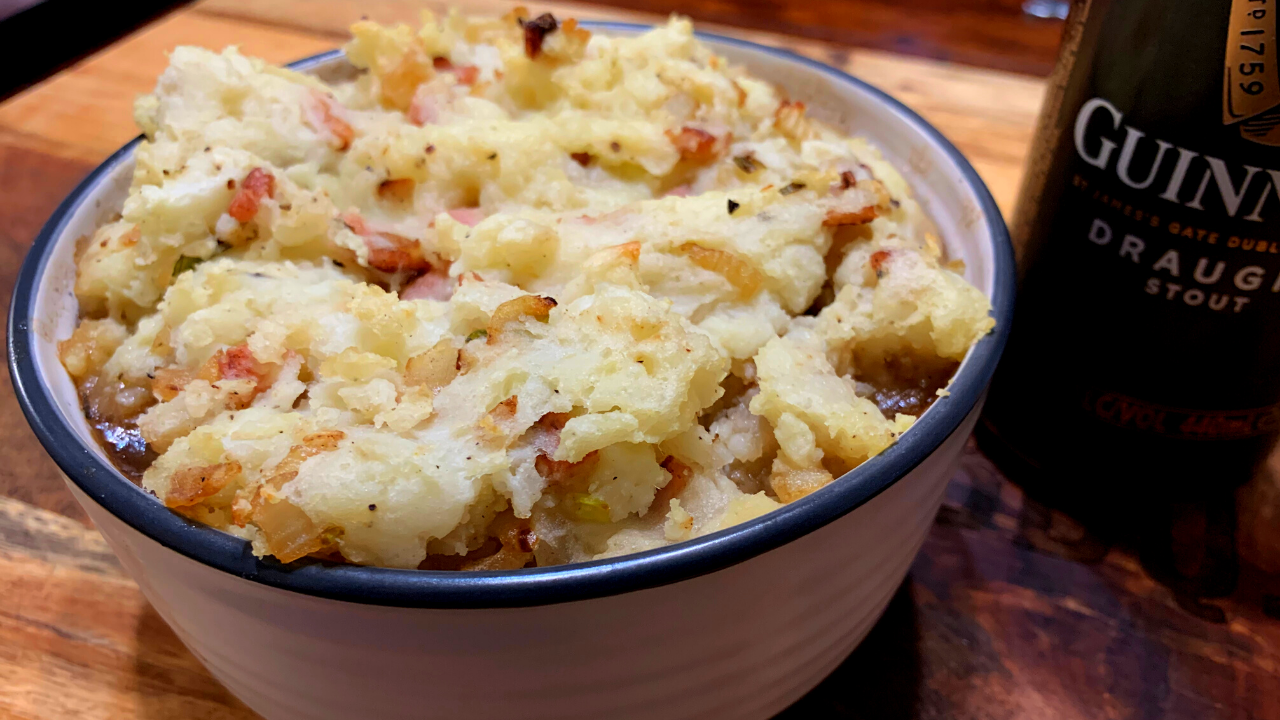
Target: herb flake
(185,263)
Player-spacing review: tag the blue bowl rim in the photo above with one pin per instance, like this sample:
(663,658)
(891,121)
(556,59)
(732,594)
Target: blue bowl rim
(516,588)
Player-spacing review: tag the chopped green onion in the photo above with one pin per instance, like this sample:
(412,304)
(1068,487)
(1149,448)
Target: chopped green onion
(185,263)
(589,508)
(478,335)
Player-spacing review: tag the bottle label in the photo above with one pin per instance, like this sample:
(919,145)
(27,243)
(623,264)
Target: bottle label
(1137,415)
(1149,232)
(1251,77)
(1193,225)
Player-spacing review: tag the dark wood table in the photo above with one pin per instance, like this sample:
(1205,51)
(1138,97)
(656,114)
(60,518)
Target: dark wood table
(992,623)
(985,33)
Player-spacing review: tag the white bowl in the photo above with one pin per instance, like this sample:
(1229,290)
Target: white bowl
(738,624)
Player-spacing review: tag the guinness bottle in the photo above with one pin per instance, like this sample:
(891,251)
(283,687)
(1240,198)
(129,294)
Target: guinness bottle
(1141,385)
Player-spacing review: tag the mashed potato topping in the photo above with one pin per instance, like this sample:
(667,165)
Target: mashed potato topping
(511,294)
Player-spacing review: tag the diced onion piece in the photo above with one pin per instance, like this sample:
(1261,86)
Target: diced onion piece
(506,409)
(733,267)
(242,508)
(789,119)
(534,306)
(629,251)
(289,532)
(90,346)
(189,486)
(312,445)
(434,368)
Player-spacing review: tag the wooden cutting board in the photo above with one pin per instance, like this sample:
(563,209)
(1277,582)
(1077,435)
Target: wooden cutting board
(988,627)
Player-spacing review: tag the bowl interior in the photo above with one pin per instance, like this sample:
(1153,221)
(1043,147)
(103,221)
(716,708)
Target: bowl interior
(947,187)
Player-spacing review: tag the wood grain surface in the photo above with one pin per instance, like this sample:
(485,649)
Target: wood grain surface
(985,33)
(993,624)
(78,640)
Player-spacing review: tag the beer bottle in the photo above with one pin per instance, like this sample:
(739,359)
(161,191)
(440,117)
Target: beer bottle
(1141,383)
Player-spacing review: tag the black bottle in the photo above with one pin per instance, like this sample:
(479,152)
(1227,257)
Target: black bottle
(1141,385)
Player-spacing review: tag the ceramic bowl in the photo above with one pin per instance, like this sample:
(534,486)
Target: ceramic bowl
(737,624)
